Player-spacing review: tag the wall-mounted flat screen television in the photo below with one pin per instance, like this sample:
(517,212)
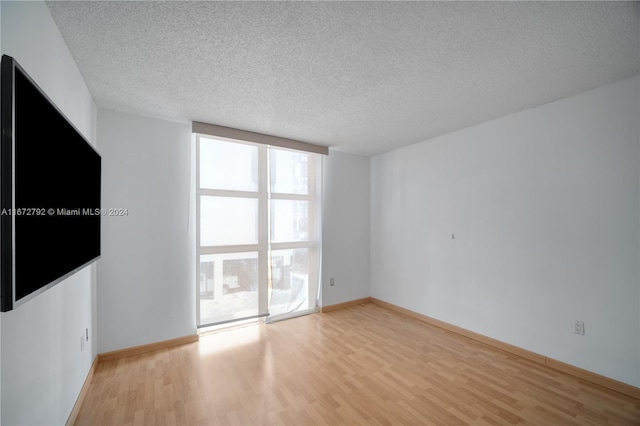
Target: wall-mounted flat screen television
(49,192)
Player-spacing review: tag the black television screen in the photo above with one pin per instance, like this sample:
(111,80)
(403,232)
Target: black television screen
(49,192)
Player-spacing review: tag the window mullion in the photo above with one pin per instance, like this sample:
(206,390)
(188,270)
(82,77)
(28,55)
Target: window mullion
(228,249)
(292,245)
(227,193)
(281,196)
(263,228)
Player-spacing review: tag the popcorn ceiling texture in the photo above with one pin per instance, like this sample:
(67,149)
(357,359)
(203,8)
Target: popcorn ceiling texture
(363,77)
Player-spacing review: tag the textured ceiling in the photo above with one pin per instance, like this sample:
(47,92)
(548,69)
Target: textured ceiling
(363,77)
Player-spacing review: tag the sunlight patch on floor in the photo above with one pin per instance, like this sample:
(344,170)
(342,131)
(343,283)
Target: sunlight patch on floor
(232,338)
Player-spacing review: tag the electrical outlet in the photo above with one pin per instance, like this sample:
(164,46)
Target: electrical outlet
(578,327)
(332,282)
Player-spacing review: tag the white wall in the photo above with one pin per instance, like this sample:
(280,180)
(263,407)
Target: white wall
(43,368)
(345,228)
(544,205)
(146,277)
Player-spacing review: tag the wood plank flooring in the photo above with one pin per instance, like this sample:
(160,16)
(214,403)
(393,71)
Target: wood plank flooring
(359,365)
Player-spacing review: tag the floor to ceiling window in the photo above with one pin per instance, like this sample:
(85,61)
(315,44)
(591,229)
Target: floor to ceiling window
(258,235)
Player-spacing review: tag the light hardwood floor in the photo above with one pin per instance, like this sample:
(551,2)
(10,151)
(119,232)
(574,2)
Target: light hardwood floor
(359,365)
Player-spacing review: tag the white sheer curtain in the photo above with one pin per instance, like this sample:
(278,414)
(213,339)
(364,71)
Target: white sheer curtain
(295,232)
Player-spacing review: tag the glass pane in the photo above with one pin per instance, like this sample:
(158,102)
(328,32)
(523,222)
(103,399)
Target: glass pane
(228,221)
(228,165)
(289,171)
(289,281)
(228,286)
(289,220)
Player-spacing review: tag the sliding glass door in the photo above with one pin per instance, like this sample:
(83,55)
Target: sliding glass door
(258,231)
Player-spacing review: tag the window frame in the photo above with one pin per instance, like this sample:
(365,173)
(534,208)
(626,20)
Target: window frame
(264,246)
